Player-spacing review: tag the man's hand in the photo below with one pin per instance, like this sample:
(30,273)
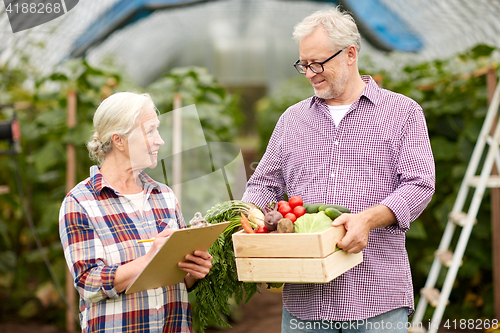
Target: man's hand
(358,226)
(357,231)
(197,266)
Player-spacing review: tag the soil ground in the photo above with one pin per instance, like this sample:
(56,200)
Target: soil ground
(262,314)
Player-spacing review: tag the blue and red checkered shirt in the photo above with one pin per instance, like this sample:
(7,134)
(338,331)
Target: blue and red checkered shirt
(99,230)
(378,154)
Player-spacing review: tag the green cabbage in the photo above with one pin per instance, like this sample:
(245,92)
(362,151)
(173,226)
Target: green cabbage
(309,223)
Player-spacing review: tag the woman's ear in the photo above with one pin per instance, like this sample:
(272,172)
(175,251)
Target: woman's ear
(118,141)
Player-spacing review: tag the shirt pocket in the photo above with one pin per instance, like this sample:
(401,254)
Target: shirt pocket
(369,166)
(169,223)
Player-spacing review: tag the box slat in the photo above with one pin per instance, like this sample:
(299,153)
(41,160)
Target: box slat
(298,270)
(290,245)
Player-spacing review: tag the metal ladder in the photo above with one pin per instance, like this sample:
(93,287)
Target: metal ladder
(466,220)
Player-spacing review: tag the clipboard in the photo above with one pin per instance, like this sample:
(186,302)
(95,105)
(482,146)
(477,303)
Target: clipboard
(162,269)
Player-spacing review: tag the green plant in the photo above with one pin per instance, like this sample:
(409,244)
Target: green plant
(454,101)
(270,108)
(26,283)
(27,290)
(218,111)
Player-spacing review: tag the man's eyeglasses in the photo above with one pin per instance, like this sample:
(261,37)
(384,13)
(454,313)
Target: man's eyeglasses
(316,67)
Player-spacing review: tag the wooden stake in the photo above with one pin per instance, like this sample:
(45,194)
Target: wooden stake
(491,81)
(70,183)
(177,148)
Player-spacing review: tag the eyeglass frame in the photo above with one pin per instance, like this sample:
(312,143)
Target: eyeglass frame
(297,63)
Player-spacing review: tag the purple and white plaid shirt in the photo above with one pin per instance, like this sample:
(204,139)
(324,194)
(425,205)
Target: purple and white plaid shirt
(379,154)
(99,230)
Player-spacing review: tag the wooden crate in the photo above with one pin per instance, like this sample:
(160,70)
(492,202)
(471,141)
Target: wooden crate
(309,258)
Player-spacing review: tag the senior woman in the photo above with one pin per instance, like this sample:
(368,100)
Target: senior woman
(103,218)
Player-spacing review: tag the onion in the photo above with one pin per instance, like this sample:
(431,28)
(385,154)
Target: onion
(256,216)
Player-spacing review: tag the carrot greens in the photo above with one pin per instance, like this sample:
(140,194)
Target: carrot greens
(214,292)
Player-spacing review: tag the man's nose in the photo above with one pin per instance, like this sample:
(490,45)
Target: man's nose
(309,73)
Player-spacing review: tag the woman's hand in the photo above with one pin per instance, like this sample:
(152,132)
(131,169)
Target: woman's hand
(126,273)
(197,266)
(158,242)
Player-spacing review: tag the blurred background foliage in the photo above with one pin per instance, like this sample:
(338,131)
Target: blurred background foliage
(27,290)
(453,98)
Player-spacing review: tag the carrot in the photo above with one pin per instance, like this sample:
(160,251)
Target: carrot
(246,225)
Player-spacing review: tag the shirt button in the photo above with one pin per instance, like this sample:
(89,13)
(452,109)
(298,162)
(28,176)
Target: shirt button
(332,175)
(336,143)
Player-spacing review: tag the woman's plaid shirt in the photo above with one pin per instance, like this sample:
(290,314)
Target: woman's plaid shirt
(99,230)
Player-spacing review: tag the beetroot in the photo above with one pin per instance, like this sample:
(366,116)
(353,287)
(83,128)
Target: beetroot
(272,218)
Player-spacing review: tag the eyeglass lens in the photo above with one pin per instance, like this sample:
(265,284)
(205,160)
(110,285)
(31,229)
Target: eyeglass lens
(316,67)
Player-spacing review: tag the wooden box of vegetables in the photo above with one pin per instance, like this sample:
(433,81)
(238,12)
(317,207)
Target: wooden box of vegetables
(302,256)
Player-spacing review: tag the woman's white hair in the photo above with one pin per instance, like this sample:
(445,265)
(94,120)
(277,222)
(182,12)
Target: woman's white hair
(339,26)
(117,114)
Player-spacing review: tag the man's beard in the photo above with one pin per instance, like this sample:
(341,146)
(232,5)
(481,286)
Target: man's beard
(336,87)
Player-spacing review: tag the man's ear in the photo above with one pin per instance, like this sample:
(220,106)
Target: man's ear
(118,141)
(352,54)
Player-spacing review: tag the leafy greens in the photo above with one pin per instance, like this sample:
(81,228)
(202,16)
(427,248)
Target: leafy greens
(221,284)
(310,223)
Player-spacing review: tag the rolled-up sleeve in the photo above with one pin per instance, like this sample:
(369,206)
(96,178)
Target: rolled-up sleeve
(85,254)
(416,171)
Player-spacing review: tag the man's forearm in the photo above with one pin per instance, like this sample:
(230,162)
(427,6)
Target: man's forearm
(378,216)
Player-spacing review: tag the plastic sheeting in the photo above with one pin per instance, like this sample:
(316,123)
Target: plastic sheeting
(242,42)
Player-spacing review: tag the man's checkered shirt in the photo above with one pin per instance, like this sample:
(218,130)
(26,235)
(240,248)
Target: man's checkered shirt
(379,154)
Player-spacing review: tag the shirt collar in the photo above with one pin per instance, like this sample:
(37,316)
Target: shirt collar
(99,183)
(371,92)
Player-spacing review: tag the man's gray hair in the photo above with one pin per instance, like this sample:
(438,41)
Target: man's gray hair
(339,26)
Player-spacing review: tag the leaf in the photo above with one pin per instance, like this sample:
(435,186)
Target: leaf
(74,68)
(417,230)
(58,77)
(51,154)
(311,223)
(473,129)
(8,261)
(54,119)
(482,50)
(29,309)
(443,149)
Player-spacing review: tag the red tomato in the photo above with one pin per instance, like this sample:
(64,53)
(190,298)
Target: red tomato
(295,201)
(282,202)
(291,216)
(284,209)
(262,230)
(299,211)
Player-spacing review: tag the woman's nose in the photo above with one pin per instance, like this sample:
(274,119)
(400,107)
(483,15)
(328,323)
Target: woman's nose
(158,140)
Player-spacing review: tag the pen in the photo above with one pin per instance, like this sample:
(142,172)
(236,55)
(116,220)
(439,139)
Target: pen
(145,240)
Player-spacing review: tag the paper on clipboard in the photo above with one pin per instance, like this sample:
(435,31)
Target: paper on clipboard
(162,269)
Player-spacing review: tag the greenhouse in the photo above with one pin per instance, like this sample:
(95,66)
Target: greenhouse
(224,133)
